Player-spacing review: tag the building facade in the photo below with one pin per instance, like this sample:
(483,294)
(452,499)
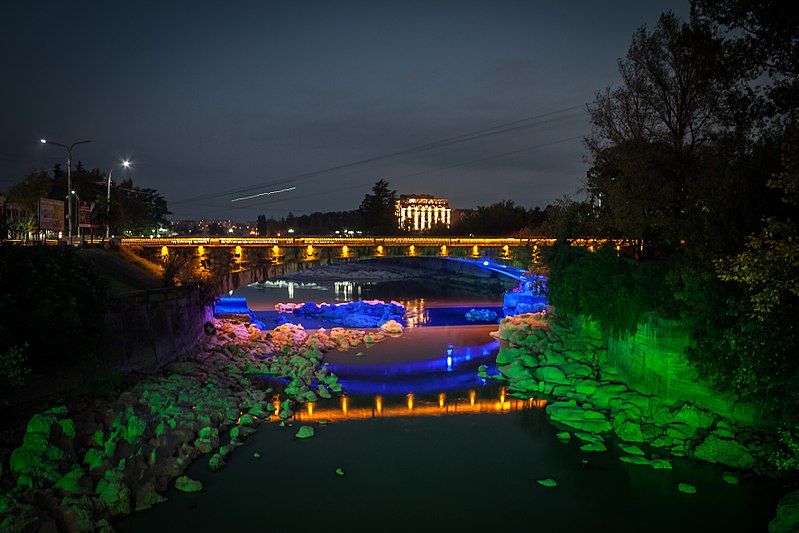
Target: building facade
(420,212)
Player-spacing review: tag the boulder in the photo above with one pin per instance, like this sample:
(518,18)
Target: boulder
(787,518)
(693,416)
(186,484)
(727,452)
(571,415)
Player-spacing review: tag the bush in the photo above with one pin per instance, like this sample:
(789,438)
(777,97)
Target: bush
(52,301)
(615,291)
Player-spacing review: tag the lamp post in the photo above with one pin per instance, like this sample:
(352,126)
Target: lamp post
(125,164)
(68,148)
(77,206)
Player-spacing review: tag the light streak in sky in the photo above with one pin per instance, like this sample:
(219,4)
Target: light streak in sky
(287,189)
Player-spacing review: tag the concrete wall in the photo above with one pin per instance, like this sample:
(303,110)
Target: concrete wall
(653,361)
(148,330)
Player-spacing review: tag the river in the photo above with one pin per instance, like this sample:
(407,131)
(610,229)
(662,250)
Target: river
(424,444)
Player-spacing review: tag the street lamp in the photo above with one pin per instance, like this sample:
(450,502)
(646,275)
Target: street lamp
(68,148)
(125,164)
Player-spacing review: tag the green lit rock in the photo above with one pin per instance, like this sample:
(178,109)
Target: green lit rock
(730,478)
(246,420)
(115,495)
(686,488)
(726,452)
(135,429)
(186,484)
(586,386)
(660,464)
(339,472)
(75,482)
(216,462)
(94,458)
(514,371)
(571,415)
(593,447)
(256,455)
(305,432)
(548,482)
(551,375)
(67,427)
(787,518)
(634,459)
(693,416)
(631,449)
(629,431)
(564,436)
(506,355)
(76,517)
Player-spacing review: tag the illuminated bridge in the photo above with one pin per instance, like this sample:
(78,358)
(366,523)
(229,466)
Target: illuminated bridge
(259,258)
(314,248)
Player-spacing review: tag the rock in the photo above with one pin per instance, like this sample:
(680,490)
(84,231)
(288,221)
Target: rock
(787,518)
(339,472)
(147,496)
(75,482)
(726,452)
(570,414)
(730,478)
(186,484)
(631,449)
(564,436)
(593,447)
(114,494)
(551,375)
(635,459)
(629,431)
(660,464)
(686,488)
(135,429)
(548,482)
(693,416)
(305,432)
(256,455)
(216,462)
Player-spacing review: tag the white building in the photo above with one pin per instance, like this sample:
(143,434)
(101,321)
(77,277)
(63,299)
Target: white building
(422,211)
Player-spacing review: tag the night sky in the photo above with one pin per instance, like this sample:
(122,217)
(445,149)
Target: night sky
(212,97)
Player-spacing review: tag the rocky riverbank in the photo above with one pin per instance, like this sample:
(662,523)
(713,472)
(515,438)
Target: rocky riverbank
(590,402)
(85,463)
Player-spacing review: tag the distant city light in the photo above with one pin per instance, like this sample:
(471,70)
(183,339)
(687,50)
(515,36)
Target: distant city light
(290,230)
(485,263)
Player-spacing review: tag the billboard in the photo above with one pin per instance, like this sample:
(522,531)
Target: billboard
(51,214)
(87,214)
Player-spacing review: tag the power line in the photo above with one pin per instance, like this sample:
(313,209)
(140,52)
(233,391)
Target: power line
(397,178)
(477,134)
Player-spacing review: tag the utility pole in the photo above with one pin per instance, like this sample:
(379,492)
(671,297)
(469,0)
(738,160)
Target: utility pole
(68,148)
(125,164)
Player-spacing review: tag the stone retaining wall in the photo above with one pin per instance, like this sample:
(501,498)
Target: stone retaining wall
(653,361)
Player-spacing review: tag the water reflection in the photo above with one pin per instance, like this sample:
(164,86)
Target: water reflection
(359,408)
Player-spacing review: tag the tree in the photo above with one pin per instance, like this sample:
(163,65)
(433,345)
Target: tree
(36,184)
(377,210)
(647,132)
(263,228)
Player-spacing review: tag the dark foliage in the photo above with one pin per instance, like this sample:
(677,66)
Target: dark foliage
(52,305)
